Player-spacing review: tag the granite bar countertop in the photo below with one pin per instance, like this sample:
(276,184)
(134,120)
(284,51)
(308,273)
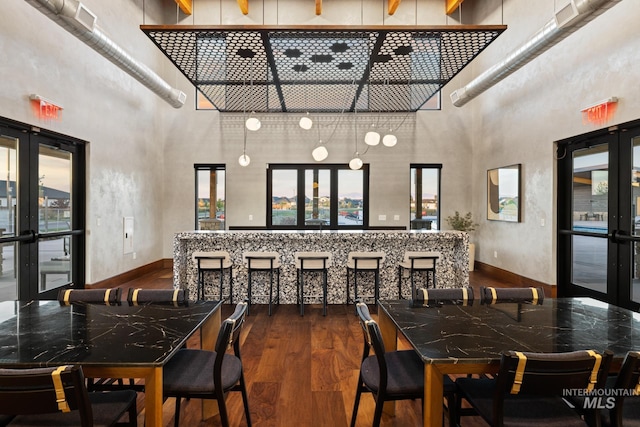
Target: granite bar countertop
(452,267)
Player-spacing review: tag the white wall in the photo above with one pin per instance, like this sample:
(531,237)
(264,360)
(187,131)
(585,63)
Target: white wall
(518,120)
(102,105)
(142,150)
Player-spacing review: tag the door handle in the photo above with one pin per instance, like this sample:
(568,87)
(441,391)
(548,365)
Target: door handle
(28,236)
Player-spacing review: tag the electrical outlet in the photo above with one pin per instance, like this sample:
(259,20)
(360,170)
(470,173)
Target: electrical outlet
(382,217)
(250,217)
(396,217)
(495,254)
(541,222)
(135,255)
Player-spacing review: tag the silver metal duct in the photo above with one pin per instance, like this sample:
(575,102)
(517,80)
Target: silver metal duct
(567,20)
(74,17)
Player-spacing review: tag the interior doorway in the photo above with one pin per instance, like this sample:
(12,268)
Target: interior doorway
(599,215)
(41,212)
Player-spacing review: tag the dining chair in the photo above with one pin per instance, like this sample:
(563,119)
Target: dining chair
(110,296)
(528,388)
(312,262)
(57,396)
(205,374)
(175,296)
(440,296)
(211,263)
(414,263)
(530,295)
(364,262)
(393,375)
(623,408)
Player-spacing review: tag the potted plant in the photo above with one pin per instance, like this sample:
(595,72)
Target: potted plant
(464,223)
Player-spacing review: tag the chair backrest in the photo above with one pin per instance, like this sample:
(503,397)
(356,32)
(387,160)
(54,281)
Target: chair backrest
(261,260)
(628,380)
(176,296)
(313,260)
(421,260)
(366,260)
(372,341)
(214,260)
(548,374)
(229,337)
(110,296)
(440,296)
(44,391)
(491,295)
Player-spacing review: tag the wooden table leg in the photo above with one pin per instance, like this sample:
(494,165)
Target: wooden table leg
(433,398)
(153,398)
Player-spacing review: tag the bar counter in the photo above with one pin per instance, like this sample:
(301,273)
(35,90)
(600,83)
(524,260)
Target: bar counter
(452,267)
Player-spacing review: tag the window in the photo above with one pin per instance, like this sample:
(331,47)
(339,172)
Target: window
(425,197)
(331,196)
(210,199)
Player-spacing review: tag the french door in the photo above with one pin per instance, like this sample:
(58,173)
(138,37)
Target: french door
(599,215)
(41,212)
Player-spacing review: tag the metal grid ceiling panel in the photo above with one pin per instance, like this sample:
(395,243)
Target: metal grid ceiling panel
(319,69)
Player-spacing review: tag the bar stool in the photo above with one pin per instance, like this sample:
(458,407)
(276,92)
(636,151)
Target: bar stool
(417,262)
(363,262)
(311,261)
(265,262)
(213,262)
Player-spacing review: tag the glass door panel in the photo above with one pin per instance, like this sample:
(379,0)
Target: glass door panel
(284,204)
(210,197)
(590,213)
(8,214)
(317,197)
(54,217)
(350,197)
(635,216)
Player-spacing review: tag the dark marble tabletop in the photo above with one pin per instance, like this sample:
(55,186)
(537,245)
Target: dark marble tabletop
(479,333)
(43,333)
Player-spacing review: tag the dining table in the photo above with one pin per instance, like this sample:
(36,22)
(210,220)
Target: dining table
(469,339)
(108,341)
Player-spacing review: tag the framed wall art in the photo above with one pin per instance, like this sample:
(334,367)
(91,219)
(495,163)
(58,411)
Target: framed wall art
(503,193)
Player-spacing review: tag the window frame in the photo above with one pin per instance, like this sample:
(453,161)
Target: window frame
(208,167)
(334,169)
(438,168)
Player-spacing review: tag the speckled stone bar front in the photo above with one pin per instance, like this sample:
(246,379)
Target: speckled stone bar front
(452,267)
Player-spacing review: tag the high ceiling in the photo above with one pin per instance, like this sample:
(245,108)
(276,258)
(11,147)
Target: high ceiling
(320,69)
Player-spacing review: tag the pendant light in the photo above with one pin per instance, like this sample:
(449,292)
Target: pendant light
(356,162)
(244,160)
(305,122)
(389,140)
(372,137)
(320,153)
(252,123)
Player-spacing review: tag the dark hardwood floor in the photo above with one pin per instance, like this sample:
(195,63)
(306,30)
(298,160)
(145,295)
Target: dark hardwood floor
(300,371)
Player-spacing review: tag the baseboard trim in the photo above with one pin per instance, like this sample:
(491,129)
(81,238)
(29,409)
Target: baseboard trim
(514,279)
(133,274)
